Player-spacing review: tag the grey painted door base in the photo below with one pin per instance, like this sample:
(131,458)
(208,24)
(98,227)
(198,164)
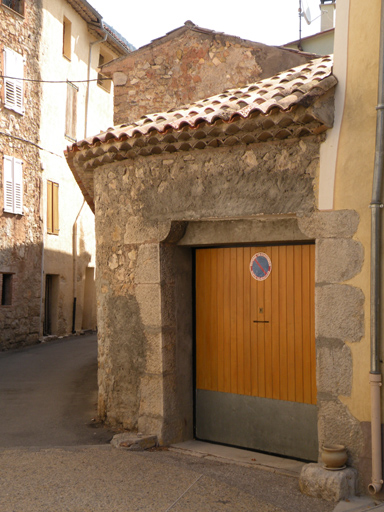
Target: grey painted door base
(275,426)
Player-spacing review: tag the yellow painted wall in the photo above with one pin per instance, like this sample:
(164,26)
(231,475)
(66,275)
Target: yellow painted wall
(58,250)
(354,166)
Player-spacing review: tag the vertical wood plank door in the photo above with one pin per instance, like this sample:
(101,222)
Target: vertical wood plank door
(255,348)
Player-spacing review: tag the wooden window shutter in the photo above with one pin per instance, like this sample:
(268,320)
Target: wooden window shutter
(55,208)
(49,206)
(71,111)
(8,183)
(14,69)
(18,186)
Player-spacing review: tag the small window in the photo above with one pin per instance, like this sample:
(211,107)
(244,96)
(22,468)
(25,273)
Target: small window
(67,33)
(71,112)
(102,80)
(15,5)
(52,208)
(13,81)
(13,185)
(6,289)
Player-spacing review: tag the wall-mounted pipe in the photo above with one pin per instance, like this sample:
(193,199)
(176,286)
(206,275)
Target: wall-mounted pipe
(376,254)
(74,267)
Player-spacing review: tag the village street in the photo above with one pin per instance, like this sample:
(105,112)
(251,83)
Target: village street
(54,456)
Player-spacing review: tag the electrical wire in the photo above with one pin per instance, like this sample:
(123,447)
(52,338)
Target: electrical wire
(56,81)
(30,142)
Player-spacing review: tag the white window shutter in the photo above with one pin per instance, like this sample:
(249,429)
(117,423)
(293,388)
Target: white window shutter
(8,183)
(13,185)
(14,68)
(18,186)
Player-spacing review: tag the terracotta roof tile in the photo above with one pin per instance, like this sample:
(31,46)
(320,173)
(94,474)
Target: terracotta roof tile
(280,107)
(282,92)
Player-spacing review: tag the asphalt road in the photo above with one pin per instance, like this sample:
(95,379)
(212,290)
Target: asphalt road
(47,402)
(48,395)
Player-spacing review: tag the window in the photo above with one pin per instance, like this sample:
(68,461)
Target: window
(13,83)
(52,208)
(67,33)
(6,289)
(102,80)
(71,112)
(13,185)
(15,5)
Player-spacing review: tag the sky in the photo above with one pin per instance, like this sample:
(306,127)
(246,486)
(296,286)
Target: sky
(272,22)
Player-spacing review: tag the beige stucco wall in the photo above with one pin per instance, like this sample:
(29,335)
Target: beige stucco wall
(58,249)
(354,169)
(319,44)
(346,172)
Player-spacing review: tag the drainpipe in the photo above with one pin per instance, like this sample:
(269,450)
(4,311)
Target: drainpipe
(376,204)
(41,319)
(91,45)
(74,266)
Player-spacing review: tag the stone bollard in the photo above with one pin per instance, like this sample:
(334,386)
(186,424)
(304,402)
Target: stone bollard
(329,485)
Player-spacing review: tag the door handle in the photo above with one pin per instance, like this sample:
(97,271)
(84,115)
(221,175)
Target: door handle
(261,321)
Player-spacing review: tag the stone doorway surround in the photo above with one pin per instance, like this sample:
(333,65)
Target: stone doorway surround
(241,167)
(164,339)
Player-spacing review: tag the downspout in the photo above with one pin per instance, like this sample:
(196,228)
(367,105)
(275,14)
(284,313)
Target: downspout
(91,45)
(41,319)
(376,204)
(74,266)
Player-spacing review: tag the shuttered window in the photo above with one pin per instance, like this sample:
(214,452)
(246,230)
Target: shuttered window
(71,111)
(67,35)
(13,185)
(52,208)
(13,83)
(102,80)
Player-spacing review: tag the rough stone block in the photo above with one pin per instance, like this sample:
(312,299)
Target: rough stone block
(148,264)
(334,368)
(339,312)
(154,359)
(149,300)
(151,396)
(134,442)
(338,259)
(119,79)
(335,224)
(329,485)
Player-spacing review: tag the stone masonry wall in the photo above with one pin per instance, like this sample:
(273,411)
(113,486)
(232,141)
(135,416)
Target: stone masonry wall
(144,377)
(187,66)
(149,212)
(21,235)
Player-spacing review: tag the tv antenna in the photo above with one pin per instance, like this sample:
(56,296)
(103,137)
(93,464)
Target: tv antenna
(304,12)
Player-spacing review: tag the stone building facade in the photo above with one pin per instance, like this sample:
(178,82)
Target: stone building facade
(21,223)
(47,247)
(188,64)
(219,174)
(147,255)
(74,35)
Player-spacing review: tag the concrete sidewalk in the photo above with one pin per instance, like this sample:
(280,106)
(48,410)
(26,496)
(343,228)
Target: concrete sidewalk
(103,478)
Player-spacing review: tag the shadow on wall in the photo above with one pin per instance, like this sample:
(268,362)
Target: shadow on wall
(34,303)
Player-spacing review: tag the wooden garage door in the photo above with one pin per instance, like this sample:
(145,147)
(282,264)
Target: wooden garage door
(256,338)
